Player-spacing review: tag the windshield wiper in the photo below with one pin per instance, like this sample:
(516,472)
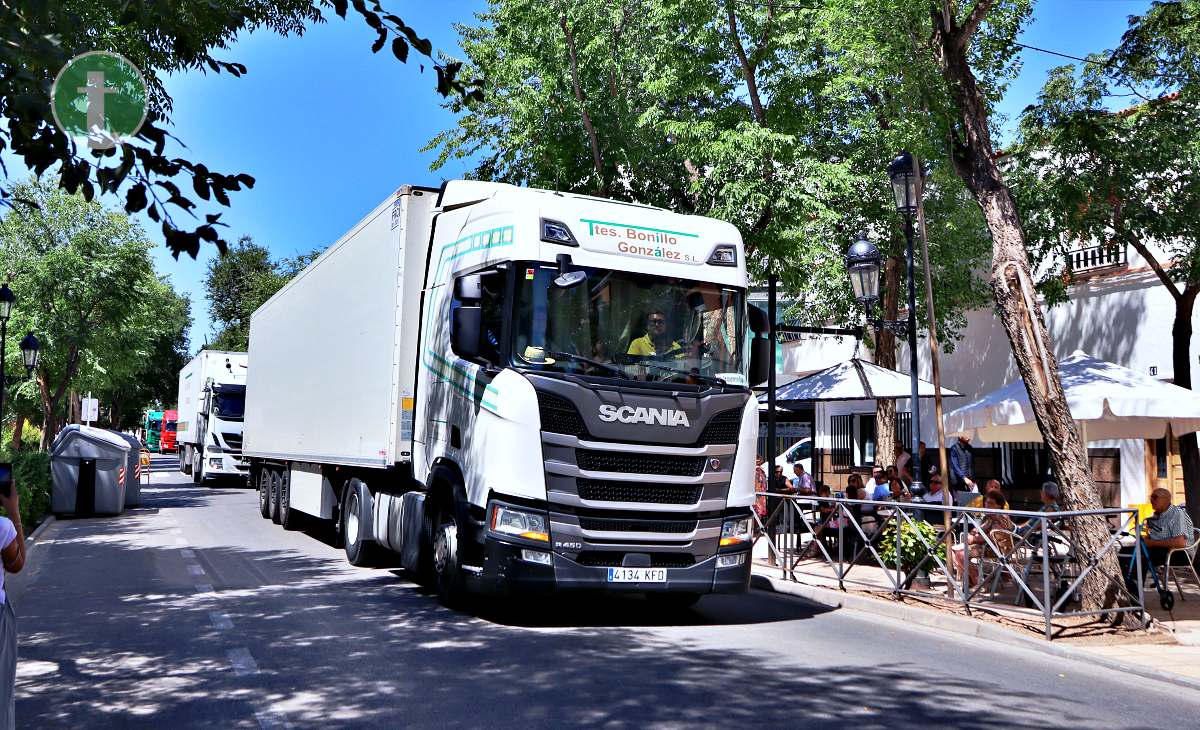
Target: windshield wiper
(712,380)
(595,363)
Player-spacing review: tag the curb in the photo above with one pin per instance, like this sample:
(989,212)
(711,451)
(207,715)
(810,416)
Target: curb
(50,519)
(961,626)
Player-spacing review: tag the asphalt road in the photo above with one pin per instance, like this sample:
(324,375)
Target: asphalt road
(193,611)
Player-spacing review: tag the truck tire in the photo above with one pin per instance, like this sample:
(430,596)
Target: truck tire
(289,518)
(264,489)
(355,517)
(181,454)
(449,577)
(273,497)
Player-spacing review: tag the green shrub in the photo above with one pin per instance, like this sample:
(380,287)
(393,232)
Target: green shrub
(911,548)
(31,437)
(31,472)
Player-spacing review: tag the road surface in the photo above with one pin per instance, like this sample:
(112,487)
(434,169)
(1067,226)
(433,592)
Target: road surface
(193,611)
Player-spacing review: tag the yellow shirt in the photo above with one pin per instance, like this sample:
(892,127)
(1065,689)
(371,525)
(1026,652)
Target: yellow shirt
(644,347)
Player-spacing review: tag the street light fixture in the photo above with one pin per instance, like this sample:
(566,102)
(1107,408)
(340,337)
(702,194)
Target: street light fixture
(29,353)
(904,183)
(6,302)
(863,263)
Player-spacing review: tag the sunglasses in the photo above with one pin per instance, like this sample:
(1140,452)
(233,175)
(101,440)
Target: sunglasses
(658,321)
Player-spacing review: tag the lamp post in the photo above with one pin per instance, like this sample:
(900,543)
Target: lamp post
(863,262)
(29,346)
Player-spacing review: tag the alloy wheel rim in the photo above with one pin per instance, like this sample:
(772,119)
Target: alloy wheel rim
(352,520)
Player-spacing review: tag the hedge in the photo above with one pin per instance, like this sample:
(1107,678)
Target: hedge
(31,472)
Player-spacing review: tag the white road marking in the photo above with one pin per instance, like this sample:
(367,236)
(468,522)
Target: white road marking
(243,663)
(220,620)
(181,541)
(187,554)
(176,531)
(195,569)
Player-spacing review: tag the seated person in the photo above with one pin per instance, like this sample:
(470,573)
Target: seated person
(1167,529)
(934,495)
(802,482)
(657,341)
(1049,497)
(898,492)
(976,545)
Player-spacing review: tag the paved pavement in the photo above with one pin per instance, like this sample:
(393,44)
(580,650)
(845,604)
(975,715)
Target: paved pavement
(194,611)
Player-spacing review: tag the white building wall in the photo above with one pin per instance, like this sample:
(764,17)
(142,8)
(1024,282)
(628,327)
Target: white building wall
(1125,319)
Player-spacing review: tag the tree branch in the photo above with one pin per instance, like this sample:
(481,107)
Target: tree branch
(974,19)
(756,106)
(593,142)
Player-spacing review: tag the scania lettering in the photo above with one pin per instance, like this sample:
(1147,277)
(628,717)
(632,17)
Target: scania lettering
(212,402)
(661,416)
(482,379)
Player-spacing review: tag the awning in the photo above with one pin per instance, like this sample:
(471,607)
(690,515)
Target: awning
(854,379)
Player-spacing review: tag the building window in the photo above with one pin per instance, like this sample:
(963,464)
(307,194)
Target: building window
(1160,457)
(841,440)
(866,439)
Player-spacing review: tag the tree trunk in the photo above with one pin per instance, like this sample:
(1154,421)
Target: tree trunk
(1016,303)
(18,431)
(589,129)
(1181,360)
(885,356)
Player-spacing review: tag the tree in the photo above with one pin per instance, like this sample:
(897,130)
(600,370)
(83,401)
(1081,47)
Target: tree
(160,38)
(240,282)
(78,270)
(139,366)
(953,59)
(1130,178)
(756,113)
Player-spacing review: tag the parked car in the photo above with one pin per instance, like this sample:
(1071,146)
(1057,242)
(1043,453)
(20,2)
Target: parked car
(800,451)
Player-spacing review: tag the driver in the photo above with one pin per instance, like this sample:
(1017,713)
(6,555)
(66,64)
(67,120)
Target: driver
(657,341)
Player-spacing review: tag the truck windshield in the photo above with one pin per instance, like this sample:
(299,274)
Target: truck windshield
(230,406)
(169,426)
(625,324)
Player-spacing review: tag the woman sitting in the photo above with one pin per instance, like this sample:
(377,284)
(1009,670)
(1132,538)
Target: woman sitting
(976,545)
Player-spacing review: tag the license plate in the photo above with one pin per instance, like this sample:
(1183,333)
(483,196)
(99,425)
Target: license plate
(637,575)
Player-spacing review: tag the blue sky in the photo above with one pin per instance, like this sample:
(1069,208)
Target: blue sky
(329,129)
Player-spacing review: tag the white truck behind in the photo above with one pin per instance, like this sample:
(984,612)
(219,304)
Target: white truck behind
(517,390)
(212,398)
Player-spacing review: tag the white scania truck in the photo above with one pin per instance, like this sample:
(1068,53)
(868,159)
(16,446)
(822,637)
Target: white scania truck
(211,405)
(517,390)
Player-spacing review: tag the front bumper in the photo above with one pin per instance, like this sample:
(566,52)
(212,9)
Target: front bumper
(505,573)
(230,465)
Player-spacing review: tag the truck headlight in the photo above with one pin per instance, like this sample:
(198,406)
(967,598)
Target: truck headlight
(519,523)
(215,463)
(736,531)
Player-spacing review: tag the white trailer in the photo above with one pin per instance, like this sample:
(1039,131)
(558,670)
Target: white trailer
(517,389)
(211,405)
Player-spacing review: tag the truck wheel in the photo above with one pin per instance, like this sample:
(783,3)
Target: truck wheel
(264,489)
(676,601)
(360,551)
(289,518)
(447,565)
(182,465)
(273,497)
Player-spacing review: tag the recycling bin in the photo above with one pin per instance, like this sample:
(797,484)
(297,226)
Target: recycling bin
(88,469)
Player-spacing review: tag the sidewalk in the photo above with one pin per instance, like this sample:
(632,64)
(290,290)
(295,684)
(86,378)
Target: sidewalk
(1170,652)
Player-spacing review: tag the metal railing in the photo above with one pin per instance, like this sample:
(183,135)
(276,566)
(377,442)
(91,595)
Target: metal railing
(1042,558)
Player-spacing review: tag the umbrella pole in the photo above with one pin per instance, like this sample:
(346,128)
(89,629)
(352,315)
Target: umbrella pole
(935,362)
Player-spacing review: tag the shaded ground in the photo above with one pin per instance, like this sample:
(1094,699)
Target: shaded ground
(120,629)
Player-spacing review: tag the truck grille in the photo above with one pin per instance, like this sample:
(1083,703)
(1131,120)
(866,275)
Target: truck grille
(602,491)
(615,559)
(617,524)
(559,415)
(722,428)
(629,463)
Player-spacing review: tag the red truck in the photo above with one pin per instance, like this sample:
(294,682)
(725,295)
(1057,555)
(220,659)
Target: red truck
(168,430)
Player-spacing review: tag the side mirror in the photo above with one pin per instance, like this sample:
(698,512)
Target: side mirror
(465,329)
(759,324)
(760,360)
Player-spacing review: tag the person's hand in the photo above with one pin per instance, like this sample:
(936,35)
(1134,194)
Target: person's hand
(12,503)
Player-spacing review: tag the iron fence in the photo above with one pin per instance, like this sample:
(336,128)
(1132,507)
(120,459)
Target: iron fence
(971,548)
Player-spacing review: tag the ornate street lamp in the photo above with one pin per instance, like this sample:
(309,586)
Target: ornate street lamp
(863,263)
(29,345)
